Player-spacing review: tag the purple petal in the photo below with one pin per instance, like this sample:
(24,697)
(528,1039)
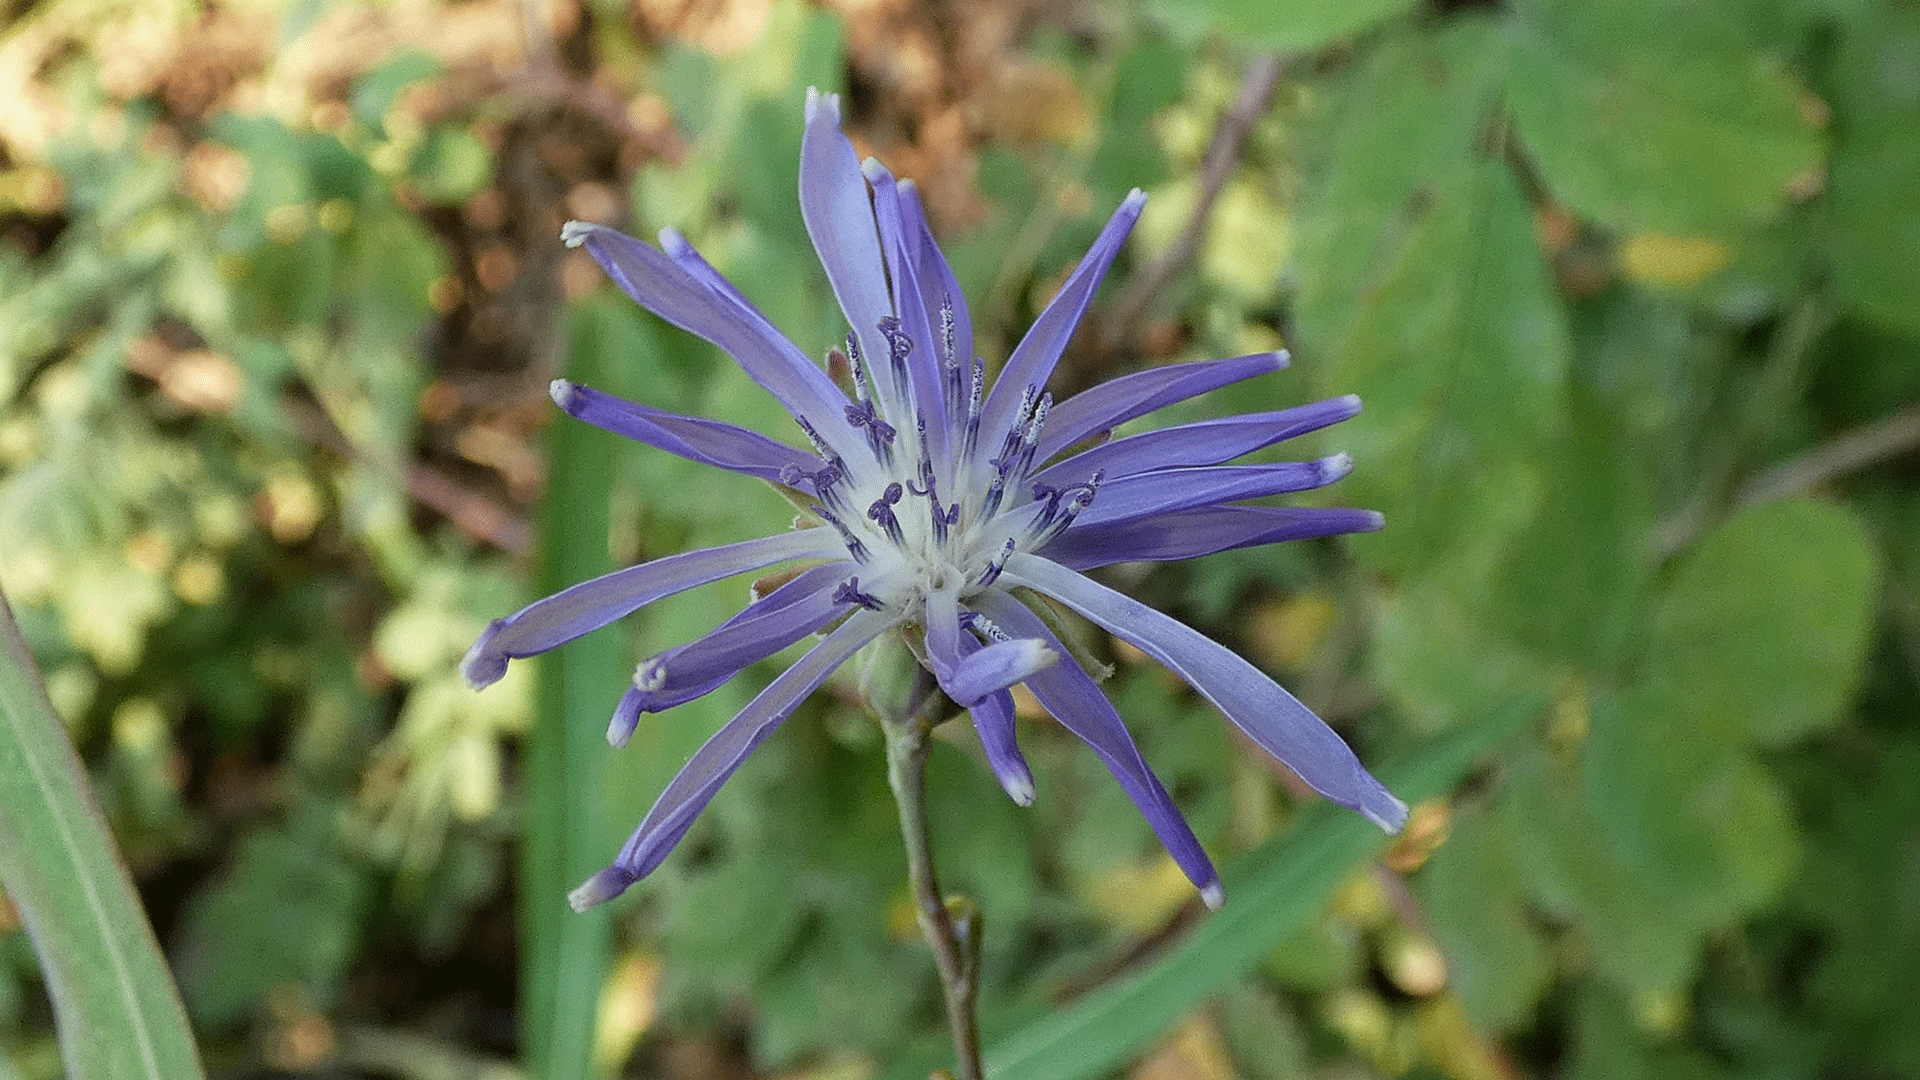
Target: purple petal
(938,286)
(590,605)
(711,765)
(998,666)
(1208,442)
(966,670)
(839,216)
(1189,534)
(1268,714)
(1070,694)
(764,627)
(709,442)
(1167,490)
(682,289)
(925,370)
(1129,397)
(1033,359)
(993,720)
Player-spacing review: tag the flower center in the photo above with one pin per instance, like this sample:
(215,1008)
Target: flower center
(934,511)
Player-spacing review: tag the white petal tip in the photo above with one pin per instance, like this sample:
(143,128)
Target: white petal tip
(1334,467)
(1350,402)
(575,233)
(1375,522)
(1019,789)
(1135,200)
(562,392)
(1389,813)
(482,667)
(672,242)
(819,103)
(1281,358)
(600,888)
(1213,895)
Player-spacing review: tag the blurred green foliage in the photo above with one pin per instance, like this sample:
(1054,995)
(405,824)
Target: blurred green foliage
(1626,285)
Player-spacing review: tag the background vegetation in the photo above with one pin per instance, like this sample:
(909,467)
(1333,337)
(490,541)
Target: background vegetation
(1628,287)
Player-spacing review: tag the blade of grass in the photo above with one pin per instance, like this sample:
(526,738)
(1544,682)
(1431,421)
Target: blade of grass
(566,953)
(1271,892)
(115,1005)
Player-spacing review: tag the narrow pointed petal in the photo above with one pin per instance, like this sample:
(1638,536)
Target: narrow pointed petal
(938,286)
(993,721)
(701,778)
(697,304)
(995,667)
(1189,534)
(1208,442)
(1073,698)
(1256,704)
(924,369)
(1034,358)
(764,627)
(593,604)
(709,442)
(1168,490)
(1129,397)
(839,217)
(626,717)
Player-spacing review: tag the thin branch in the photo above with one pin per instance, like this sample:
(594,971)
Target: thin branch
(1847,452)
(1223,154)
(473,513)
(951,927)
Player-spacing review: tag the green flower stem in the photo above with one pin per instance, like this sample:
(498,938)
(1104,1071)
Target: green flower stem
(114,1002)
(951,926)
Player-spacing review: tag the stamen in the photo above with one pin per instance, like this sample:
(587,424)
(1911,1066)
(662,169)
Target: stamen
(948,345)
(992,573)
(858,367)
(879,432)
(882,511)
(976,398)
(995,492)
(849,593)
(855,548)
(980,624)
(1032,439)
(898,346)
(948,324)
(1082,498)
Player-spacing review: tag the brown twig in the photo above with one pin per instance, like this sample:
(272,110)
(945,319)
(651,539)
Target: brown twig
(475,514)
(1847,452)
(1257,87)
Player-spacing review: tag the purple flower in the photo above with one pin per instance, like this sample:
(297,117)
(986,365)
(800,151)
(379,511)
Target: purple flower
(940,498)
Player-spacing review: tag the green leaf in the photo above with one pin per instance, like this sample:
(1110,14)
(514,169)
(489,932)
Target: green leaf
(1657,814)
(1272,892)
(287,910)
(1876,166)
(1292,25)
(118,1014)
(1571,586)
(567,836)
(1498,961)
(1765,627)
(1418,657)
(1607,1045)
(1686,808)
(1424,291)
(1645,116)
